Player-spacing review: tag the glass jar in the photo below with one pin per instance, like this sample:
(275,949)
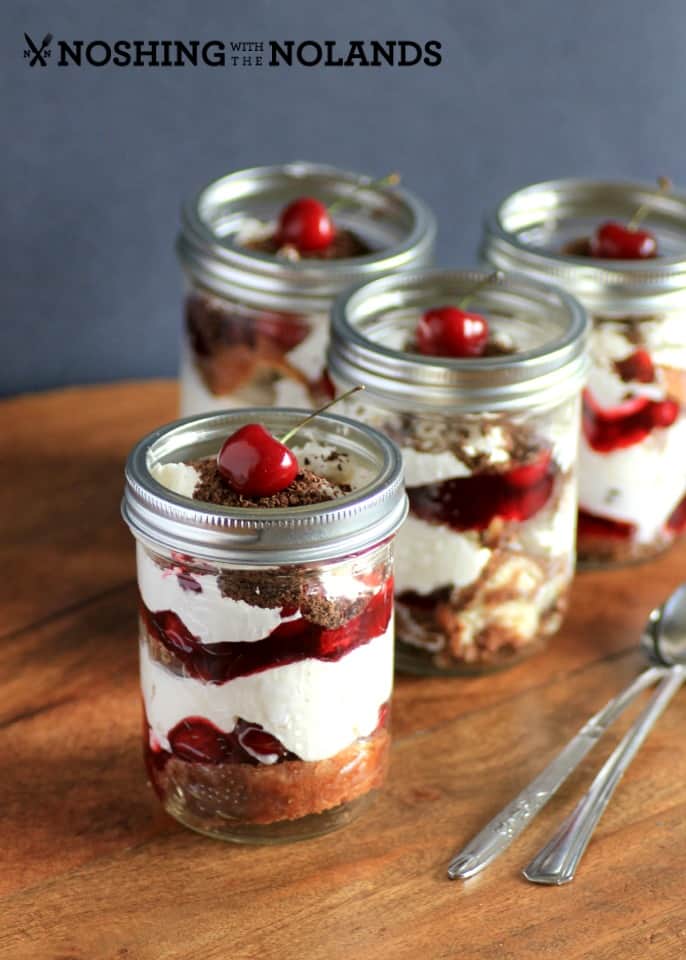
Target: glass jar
(266,633)
(632,470)
(489,446)
(256,320)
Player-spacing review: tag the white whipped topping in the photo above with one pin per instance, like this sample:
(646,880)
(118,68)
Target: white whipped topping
(487,440)
(177,477)
(640,484)
(291,393)
(552,531)
(208,615)
(252,230)
(315,708)
(609,389)
(663,338)
(309,355)
(429,556)
(422,468)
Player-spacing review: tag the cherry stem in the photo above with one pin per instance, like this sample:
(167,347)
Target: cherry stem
(287,436)
(390,180)
(494,277)
(665,185)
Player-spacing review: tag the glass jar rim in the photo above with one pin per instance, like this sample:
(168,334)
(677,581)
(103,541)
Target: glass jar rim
(334,529)
(540,209)
(211,217)
(540,376)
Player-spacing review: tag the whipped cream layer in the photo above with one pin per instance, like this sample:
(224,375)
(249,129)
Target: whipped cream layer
(552,531)
(429,556)
(315,708)
(662,336)
(640,484)
(308,358)
(208,615)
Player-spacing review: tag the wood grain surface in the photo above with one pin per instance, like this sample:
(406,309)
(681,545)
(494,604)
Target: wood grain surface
(92,869)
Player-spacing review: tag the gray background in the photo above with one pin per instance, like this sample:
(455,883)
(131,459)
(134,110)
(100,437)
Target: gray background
(96,161)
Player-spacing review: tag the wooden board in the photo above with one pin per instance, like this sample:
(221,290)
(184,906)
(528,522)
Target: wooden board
(92,869)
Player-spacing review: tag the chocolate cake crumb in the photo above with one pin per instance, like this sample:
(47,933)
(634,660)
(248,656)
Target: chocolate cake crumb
(581,247)
(345,244)
(293,589)
(307,488)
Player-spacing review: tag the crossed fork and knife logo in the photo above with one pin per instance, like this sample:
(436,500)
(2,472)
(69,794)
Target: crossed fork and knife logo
(39,54)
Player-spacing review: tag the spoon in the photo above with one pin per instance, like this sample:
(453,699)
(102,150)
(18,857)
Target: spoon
(664,643)
(664,639)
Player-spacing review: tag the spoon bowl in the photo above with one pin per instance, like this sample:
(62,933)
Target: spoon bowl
(663,640)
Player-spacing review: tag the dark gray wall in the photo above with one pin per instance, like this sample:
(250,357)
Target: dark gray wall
(96,161)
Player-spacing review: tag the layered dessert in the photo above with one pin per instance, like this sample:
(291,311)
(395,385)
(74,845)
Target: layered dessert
(236,356)
(632,481)
(620,248)
(266,251)
(485,558)
(265,688)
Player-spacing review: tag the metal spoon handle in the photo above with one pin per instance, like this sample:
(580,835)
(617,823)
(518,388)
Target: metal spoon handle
(556,863)
(499,833)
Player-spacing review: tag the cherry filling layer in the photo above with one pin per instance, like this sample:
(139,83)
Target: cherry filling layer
(197,740)
(472,503)
(627,423)
(210,327)
(677,519)
(591,526)
(290,642)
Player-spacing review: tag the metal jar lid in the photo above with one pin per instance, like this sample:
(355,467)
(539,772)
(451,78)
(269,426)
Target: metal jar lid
(399,227)
(528,231)
(371,323)
(325,531)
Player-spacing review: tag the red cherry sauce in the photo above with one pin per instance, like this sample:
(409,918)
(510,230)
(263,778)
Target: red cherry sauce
(289,643)
(197,740)
(473,502)
(677,520)
(612,428)
(211,327)
(638,366)
(591,527)
(188,582)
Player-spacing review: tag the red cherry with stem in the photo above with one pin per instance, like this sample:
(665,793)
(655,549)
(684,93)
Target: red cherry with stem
(618,241)
(306,225)
(453,331)
(257,464)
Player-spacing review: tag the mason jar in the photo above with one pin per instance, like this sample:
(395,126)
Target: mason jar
(489,446)
(632,471)
(266,632)
(256,319)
